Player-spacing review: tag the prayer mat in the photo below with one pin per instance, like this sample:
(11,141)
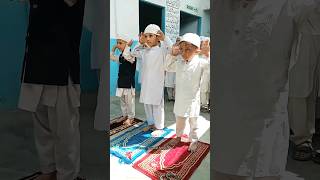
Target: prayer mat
(116,127)
(172,160)
(132,144)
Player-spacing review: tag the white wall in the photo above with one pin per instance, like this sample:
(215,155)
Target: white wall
(205,30)
(124,18)
(157,2)
(112,19)
(124,15)
(193,3)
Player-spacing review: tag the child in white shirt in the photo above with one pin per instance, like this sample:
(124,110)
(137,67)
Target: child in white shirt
(152,50)
(205,84)
(190,70)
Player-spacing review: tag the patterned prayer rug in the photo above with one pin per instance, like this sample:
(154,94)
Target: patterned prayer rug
(132,144)
(118,126)
(172,160)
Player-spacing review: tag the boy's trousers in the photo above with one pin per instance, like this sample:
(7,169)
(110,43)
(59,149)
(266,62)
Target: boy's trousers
(181,124)
(127,103)
(155,114)
(56,127)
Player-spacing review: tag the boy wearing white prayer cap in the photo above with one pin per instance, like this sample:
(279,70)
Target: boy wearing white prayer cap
(152,50)
(205,84)
(190,70)
(126,78)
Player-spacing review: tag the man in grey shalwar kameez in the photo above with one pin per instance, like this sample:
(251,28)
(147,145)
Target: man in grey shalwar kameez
(303,81)
(50,87)
(253,40)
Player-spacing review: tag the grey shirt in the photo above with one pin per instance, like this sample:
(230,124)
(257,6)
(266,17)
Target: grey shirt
(31,95)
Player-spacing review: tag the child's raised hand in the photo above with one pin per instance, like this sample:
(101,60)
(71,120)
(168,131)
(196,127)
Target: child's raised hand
(161,35)
(114,48)
(142,39)
(175,50)
(130,43)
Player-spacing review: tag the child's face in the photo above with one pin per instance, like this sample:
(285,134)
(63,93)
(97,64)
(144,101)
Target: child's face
(151,39)
(121,44)
(188,50)
(205,47)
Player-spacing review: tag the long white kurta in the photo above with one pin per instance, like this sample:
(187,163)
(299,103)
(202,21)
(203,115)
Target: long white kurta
(188,78)
(205,83)
(250,92)
(152,72)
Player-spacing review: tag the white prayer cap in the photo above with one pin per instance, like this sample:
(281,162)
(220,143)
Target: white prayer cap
(123,37)
(191,38)
(152,28)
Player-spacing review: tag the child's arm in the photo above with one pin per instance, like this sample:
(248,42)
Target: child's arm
(170,63)
(166,42)
(205,77)
(113,57)
(127,55)
(171,59)
(139,48)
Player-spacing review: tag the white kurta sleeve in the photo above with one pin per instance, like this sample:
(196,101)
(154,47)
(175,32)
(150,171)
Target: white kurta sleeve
(127,55)
(205,77)
(137,51)
(167,44)
(170,63)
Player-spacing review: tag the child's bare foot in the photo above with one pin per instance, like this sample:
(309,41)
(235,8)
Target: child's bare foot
(193,146)
(177,140)
(128,122)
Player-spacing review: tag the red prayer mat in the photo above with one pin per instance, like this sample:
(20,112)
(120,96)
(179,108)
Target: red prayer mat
(172,160)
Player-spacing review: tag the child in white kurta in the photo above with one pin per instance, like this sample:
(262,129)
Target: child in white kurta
(126,78)
(205,84)
(152,51)
(169,83)
(190,68)
(170,79)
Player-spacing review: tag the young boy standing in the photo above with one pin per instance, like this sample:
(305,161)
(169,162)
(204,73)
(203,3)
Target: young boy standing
(170,78)
(126,81)
(205,84)
(190,70)
(152,51)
